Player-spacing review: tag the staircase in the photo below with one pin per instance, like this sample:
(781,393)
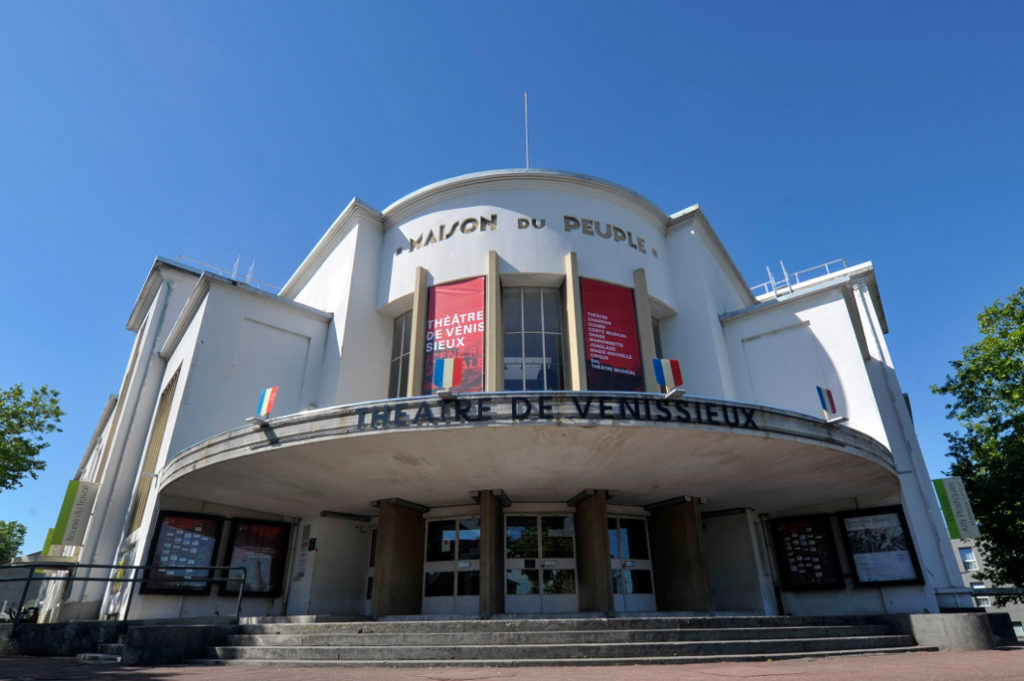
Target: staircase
(570,641)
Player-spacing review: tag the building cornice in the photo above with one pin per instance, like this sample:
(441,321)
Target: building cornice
(150,288)
(199,293)
(409,204)
(693,218)
(354,212)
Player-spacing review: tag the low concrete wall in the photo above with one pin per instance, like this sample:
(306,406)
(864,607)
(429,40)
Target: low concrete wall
(947,631)
(170,644)
(58,638)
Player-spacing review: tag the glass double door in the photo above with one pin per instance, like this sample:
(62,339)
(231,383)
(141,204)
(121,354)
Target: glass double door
(540,564)
(632,579)
(451,569)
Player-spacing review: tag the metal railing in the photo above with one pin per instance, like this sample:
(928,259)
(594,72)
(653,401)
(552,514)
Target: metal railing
(791,279)
(153,576)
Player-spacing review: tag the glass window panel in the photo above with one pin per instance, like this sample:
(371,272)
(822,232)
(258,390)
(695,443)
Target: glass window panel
(512,309)
(469,539)
(639,582)
(559,581)
(557,533)
(513,361)
(533,363)
(522,582)
(656,328)
(520,536)
(553,353)
(531,310)
(369,588)
(373,547)
(634,538)
(439,584)
(968,559)
(617,585)
(552,310)
(440,540)
(469,583)
(613,538)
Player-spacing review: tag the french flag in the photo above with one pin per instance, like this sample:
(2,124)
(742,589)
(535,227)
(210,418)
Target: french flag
(667,373)
(267,398)
(447,372)
(828,404)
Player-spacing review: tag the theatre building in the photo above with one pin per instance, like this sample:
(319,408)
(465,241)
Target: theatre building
(509,392)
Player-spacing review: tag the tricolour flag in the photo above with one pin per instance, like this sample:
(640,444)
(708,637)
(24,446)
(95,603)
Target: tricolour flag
(828,404)
(267,398)
(447,372)
(667,372)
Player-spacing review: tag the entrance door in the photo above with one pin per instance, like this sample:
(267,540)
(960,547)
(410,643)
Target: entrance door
(632,582)
(540,564)
(451,568)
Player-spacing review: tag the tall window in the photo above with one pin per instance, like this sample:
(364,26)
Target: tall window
(968,559)
(533,338)
(399,377)
(656,330)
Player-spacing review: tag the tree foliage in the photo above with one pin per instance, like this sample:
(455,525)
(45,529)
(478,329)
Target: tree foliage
(987,389)
(12,536)
(25,420)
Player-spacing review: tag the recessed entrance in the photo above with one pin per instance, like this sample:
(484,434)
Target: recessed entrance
(632,580)
(451,569)
(540,564)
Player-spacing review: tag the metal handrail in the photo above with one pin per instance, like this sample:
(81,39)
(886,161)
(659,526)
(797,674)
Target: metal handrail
(69,568)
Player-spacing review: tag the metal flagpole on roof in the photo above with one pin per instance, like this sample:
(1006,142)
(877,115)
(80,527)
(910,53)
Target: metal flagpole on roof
(526,116)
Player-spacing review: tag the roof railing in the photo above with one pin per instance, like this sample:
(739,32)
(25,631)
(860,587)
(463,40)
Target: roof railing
(783,286)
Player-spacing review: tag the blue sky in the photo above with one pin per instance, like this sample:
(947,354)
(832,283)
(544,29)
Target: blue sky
(807,131)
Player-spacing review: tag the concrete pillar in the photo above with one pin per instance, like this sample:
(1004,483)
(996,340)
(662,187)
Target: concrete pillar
(642,303)
(494,379)
(417,334)
(398,567)
(593,557)
(574,315)
(677,556)
(492,554)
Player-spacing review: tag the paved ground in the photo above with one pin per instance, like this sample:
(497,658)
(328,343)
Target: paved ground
(989,665)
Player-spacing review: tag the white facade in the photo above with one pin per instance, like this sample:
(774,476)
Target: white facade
(414,504)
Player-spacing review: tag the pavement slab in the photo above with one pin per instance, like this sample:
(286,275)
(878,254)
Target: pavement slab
(1004,664)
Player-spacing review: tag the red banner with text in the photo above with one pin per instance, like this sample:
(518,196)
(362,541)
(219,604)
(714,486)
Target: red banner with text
(455,328)
(613,346)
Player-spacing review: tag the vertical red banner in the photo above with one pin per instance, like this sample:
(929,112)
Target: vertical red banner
(455,328)
(613,345)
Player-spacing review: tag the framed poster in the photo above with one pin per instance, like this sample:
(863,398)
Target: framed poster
(261,546)
(612,342)
(879,546)
(805,552)
(455,328)
(183,546)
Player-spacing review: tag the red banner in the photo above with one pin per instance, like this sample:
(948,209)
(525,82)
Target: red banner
(455,328)
(613,347)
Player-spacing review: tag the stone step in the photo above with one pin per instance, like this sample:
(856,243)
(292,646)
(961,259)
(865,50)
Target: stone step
(110,648)
(562,650)
(549,624)
(536,637)
(558,662)
(98,658)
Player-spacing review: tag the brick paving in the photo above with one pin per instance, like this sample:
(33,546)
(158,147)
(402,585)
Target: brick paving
(985,665)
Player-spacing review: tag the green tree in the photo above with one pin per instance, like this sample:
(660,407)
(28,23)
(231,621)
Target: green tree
(25,420)
(12,536)
(987,391)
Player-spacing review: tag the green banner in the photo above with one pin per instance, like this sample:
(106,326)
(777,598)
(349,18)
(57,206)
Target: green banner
(65,511)
(947,509)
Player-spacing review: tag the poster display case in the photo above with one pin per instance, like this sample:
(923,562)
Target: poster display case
(878,543)
(805,552)
(261,546)
(184,546)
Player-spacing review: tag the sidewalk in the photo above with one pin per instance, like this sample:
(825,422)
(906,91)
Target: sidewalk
(1005,664)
